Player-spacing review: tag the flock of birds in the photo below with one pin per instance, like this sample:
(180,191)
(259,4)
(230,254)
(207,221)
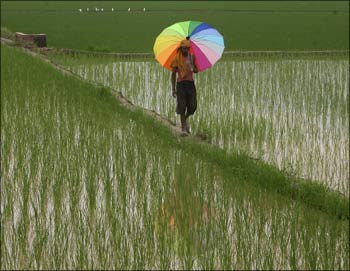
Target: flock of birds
(101,9)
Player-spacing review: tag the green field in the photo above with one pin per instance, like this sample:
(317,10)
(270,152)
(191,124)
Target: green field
(288,111)
(87,184)
(270,25)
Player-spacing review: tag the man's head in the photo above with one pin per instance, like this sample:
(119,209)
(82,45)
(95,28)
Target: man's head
(185,45)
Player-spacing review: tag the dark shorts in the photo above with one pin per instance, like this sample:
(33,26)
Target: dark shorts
(186,97)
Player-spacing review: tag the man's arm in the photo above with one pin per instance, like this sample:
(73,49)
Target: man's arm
(195,68)
(173,82)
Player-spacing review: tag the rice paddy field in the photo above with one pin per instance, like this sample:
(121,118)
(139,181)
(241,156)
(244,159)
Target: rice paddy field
(87,184)
(290,111)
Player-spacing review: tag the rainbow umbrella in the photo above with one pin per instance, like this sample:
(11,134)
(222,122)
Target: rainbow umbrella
(207,44)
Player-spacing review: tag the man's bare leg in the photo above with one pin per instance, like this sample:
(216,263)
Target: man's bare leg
(187,126)
(183,123)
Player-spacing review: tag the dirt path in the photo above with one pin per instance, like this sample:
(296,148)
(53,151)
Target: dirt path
(7,41)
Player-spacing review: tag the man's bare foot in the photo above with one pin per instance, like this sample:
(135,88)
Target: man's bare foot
(184,131)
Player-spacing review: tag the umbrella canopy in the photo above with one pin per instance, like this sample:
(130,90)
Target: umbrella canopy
(207,44)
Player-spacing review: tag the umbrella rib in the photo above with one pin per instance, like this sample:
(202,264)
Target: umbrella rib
(161,46)
(206,45)
(215,39)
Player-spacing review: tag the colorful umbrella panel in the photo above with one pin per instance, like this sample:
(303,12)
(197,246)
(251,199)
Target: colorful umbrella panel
(207,44)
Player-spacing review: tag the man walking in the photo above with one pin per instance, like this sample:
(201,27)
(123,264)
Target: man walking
(183,86)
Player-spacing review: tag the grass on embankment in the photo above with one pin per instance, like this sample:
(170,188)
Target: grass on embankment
(7,34)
